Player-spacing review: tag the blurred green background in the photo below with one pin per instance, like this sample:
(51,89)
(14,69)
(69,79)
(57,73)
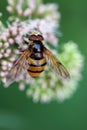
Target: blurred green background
(20,113)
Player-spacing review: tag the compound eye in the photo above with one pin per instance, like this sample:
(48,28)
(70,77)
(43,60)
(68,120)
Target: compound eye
(36,37)
(32,38)
(40,37)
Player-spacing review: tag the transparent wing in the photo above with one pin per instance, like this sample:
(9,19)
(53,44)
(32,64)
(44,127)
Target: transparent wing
(55,64)
(17,68)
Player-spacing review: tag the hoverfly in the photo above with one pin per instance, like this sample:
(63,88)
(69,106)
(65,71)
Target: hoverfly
(34,60)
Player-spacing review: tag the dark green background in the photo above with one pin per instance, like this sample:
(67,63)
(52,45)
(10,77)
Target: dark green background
(20,113)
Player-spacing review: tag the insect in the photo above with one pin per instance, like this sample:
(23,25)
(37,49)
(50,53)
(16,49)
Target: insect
(34,60)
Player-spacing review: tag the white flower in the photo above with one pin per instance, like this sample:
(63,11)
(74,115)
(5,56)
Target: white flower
(34,9)
(49,87)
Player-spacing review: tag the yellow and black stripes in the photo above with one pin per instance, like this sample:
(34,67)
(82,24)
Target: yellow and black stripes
(36,67)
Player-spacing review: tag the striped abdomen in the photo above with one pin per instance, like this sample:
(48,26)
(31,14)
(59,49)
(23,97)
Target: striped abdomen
(36,66)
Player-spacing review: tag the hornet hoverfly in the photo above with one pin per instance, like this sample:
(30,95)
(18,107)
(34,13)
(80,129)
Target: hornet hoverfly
(34,60)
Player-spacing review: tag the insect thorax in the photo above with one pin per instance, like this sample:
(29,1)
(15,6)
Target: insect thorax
(37,50)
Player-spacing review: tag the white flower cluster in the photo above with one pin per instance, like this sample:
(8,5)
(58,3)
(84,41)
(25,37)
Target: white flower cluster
(7,53)
(43,17)
(47,87)
(45,27)
(33,9)
(11,38)
(21,7)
